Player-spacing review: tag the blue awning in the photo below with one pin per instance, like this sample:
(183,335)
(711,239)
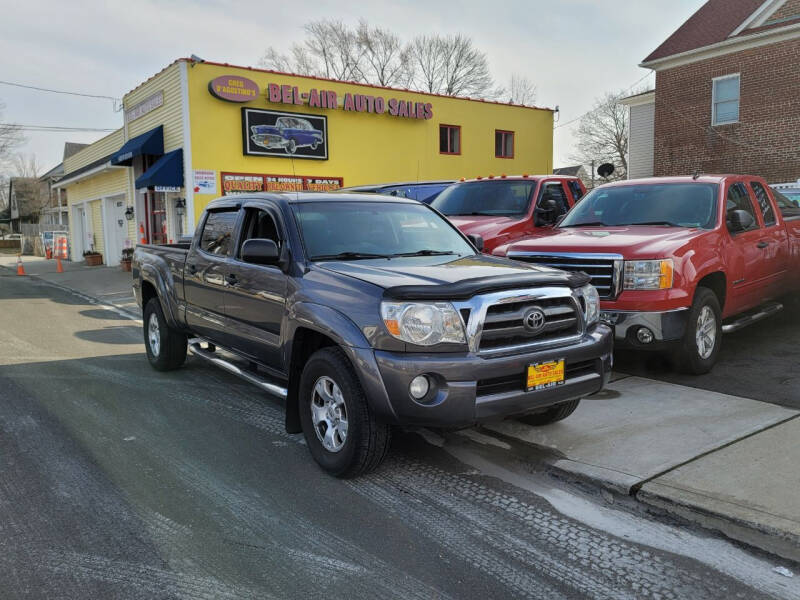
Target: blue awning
(151,142)
(166,172)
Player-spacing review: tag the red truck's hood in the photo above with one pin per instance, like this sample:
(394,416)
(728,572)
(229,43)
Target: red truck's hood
(631,241)
(486,227)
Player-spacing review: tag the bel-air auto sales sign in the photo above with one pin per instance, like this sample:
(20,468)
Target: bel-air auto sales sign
(273,133)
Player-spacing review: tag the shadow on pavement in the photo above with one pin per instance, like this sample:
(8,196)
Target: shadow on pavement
(101,313)
(123,334)
(758,362)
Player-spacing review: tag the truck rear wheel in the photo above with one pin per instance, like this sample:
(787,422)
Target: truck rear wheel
(340,430)
(700,346)
(165,347)
(557,413)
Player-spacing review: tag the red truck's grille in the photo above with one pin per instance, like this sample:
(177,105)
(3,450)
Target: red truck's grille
(505,327)
(604,269)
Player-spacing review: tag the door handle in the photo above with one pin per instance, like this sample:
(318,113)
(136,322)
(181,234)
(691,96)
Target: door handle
(231,278)
(762,244)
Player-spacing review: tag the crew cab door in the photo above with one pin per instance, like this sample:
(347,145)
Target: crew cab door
(204,275)
(747,272)
(255,302)
(774,242)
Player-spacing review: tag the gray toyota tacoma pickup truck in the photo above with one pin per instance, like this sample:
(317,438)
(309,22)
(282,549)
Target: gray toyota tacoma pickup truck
(364,312)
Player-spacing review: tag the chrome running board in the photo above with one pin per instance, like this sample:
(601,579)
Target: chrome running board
(764,311)
(253,377)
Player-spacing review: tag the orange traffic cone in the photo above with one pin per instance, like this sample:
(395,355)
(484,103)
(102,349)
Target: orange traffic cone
(20,268)
(59,268)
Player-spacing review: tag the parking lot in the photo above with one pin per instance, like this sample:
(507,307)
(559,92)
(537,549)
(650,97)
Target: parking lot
(758,362)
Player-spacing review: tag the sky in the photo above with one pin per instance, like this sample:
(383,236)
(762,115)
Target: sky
(573,50)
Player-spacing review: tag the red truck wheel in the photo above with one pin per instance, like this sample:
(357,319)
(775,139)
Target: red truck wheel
(701,344)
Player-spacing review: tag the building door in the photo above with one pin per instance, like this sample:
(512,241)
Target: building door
(116,229)
(157,214)
(79,234)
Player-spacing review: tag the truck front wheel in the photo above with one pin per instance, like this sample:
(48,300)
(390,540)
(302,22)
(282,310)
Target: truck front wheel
(340,430)
(165,347)
(700,346)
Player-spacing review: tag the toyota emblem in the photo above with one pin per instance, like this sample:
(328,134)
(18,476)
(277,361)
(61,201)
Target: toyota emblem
(534,320)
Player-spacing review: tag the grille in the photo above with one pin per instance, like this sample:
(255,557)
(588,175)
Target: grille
(516,383)
(504,325)
(604,270)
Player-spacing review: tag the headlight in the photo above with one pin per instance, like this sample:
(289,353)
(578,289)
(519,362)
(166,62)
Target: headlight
(648,274)
(424,324)
(591,304)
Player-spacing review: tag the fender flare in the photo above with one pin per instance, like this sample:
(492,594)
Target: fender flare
(346,335)
(151,275)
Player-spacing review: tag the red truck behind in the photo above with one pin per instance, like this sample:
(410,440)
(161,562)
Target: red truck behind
(678,261)
(507,208)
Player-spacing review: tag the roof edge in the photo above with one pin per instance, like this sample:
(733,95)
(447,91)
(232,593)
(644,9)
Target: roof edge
(367,85)
(726,46)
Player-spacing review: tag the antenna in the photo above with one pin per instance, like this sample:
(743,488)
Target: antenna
(696,174)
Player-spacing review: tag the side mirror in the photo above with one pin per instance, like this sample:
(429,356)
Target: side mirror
(477,241)
(740,220)
(260,252)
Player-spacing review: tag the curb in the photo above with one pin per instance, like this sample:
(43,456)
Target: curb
(765,538)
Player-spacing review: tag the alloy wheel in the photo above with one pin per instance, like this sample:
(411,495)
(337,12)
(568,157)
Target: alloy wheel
(329,414)
(154,335)
(706,332)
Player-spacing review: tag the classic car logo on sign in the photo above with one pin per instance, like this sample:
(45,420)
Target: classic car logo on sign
(534,320)
(271,133)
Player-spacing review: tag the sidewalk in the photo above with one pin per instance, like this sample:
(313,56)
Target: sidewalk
(110,285)
(727,463)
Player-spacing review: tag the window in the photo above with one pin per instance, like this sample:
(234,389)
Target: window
(503,144)
(449,139)
(725,100)
(497,198)
(260,225)
(739,199)
(217,233)
(576,189)
(764,204)
(659,205)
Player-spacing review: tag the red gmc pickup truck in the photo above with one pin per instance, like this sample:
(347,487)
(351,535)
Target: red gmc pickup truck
(506,208)
(678,261)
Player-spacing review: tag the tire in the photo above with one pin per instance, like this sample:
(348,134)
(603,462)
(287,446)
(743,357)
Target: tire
(165,347)
(690,357)
(291,147)
(314,145)
(365,443)
(559,412)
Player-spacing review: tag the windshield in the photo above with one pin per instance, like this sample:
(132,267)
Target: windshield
(352,230)
(494,198)
(668,204)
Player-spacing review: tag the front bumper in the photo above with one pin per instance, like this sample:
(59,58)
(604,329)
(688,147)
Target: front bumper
(666,327)
(471,389)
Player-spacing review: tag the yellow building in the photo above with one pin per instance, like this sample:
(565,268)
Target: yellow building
(198,130)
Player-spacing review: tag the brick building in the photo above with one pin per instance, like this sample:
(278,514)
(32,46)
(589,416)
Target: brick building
(726,98)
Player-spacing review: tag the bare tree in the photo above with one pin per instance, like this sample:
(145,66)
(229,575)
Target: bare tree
(451,65)
(32,194)
(521,90)
(602,135)
(386,60)
(10,139)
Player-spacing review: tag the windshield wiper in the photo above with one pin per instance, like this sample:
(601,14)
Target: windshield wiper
(668,223)
(349,256)
(587,224)
(426,253)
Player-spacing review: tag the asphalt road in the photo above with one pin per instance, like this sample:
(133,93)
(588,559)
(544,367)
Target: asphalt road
(120,482)
(759,362)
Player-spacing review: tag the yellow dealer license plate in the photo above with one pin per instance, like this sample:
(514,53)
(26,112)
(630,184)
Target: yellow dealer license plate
(545,375)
